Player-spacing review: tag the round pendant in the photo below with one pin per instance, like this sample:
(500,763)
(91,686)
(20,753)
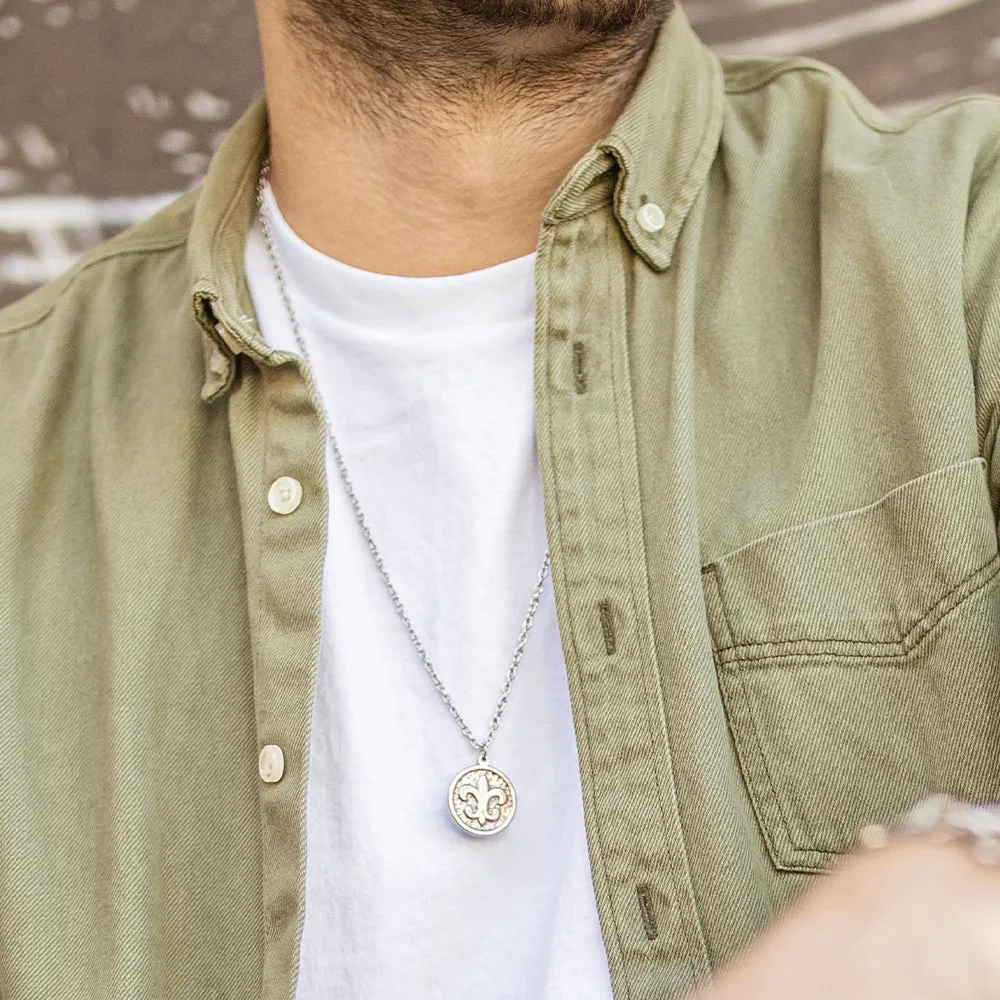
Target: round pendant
(481,800)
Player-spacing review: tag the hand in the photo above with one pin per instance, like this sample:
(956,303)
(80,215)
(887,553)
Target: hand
(918,920)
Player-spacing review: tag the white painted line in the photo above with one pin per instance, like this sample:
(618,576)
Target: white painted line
(835,30)
(45,221)
(771,4)
(48,243)
(34,213)
(20,269)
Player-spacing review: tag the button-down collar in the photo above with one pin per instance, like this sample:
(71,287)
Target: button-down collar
(659,151)
(221,222)
(661,147)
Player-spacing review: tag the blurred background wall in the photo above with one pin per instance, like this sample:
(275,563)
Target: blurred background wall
(108,108)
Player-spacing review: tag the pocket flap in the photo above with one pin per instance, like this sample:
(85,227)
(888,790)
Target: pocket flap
(867,576)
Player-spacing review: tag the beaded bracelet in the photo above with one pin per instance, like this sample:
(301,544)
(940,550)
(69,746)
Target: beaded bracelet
(943,819)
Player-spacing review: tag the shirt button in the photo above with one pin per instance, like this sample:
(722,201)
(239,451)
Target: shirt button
(651,218)
(271,764)
(285,495)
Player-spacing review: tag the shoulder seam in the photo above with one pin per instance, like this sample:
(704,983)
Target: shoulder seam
(763,78)
(772,70)
(889,126)
(85,264)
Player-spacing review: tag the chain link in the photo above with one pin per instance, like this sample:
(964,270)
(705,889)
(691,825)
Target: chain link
(480,746)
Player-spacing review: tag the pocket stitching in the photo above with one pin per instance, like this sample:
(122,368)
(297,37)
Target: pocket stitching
(765,827)
(867,649)
(759,767)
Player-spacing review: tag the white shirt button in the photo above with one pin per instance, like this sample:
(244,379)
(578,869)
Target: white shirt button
(651,218)
(285,495)
(271,764)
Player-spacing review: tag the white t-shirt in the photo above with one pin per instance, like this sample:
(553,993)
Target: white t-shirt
(428,382)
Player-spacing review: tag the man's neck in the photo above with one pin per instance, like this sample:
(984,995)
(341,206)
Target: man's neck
(412,178)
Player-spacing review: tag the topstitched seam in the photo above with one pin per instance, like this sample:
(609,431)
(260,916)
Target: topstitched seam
(574,638)
(871,648)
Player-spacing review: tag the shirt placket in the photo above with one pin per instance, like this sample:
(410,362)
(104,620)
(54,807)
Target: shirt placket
(590,475)
(279,442)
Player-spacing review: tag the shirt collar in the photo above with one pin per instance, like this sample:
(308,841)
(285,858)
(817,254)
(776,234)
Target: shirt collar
(221,222)
(660,151)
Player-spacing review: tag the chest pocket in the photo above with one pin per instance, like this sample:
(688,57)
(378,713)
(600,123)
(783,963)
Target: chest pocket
(859,662)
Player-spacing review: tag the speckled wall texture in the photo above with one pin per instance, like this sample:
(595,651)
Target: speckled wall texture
(109,107)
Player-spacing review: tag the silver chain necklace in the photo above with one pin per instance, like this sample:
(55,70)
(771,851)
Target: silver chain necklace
(481,798)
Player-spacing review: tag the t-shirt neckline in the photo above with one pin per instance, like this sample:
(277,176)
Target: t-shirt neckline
(501,295)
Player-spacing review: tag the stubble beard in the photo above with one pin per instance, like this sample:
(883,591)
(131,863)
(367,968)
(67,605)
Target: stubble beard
(391,55)
(596,17)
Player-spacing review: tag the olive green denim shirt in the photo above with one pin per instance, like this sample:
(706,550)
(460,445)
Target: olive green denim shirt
(767,435)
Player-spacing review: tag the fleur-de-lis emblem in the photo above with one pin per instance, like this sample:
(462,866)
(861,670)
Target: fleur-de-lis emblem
(481,803)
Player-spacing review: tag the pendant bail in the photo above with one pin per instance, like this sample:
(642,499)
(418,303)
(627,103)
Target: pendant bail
(483,755)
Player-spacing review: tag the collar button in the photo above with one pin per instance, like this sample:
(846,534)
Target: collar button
(651,218)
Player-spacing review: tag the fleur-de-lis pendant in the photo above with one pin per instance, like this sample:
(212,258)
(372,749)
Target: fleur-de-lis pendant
(481,800)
